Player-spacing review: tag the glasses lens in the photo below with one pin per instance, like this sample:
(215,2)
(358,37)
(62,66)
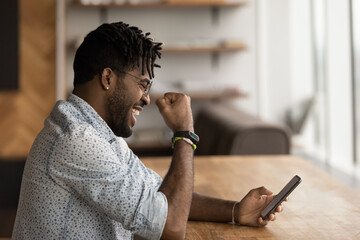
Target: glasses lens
(147,90)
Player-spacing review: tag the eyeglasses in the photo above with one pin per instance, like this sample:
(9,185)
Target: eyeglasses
(144,83)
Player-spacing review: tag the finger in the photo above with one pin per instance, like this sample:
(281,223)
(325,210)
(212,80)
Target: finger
(160,103)
(286,199)
(279,208)
(264,191)
(272,217)
(172,97)
(170,94)
(160,100)
(262,222)
(169,98)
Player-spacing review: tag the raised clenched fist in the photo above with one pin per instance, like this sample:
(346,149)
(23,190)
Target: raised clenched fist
(176,111)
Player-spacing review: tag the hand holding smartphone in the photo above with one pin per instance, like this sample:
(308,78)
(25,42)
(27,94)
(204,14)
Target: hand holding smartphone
(271,207)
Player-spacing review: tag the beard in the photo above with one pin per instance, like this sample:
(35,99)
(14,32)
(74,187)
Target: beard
(120,108)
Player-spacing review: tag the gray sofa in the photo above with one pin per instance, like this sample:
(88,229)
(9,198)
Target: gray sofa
(224,130)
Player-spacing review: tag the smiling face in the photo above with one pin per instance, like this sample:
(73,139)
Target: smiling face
(126,101)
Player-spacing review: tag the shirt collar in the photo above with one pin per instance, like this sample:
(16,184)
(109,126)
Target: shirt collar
(92,117)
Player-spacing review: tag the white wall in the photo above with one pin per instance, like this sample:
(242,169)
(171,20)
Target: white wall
(301,66)
(273,59)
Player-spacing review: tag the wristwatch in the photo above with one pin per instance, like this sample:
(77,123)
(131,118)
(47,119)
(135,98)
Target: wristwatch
(187,134)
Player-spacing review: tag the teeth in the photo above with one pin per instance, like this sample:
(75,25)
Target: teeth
(136,112)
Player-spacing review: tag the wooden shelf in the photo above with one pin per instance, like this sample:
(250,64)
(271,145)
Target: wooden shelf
(162,4)
(205,49)
(220,48)
(207,95)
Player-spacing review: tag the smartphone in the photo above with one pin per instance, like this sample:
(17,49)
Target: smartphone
(271,207)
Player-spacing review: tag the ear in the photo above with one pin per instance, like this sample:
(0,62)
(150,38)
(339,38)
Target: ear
(107,78)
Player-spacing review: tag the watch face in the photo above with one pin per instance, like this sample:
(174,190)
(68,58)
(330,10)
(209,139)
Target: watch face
(193,135)
(188,134)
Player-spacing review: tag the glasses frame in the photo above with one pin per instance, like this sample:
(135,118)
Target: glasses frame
(146,87)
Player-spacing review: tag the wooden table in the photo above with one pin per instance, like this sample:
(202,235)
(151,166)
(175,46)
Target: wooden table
(320,208)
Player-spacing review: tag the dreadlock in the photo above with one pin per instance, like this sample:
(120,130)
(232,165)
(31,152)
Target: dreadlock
(118,46)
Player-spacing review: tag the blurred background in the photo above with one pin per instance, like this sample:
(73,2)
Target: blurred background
(265,76)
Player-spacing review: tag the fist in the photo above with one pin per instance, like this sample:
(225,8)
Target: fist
(175,108)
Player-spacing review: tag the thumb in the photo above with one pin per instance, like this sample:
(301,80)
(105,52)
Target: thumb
(264,191)
(161,103)
(268,198)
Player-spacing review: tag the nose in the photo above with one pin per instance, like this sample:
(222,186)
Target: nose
(146,99)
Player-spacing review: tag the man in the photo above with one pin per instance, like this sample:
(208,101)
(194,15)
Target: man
(81,181)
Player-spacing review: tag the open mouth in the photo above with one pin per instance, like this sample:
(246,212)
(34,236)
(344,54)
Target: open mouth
(136,112)
(136,109)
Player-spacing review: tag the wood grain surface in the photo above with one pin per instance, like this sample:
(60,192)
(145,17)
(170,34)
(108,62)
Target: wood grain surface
(23,111)
(320,208)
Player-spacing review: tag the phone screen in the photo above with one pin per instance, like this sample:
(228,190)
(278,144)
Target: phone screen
(271,207)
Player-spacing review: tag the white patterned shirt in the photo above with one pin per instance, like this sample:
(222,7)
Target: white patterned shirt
(82,182)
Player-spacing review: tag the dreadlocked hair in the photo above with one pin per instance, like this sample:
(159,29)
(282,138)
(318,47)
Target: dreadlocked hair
(118,46)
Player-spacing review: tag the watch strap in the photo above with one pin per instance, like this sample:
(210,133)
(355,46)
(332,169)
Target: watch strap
(187,134)
(175,139)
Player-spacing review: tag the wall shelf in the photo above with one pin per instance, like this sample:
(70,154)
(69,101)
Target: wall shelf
(161,4)
(233,46)
(208,95)
(204,49)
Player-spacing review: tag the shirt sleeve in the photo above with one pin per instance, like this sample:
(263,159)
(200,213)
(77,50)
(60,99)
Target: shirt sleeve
(110,178)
